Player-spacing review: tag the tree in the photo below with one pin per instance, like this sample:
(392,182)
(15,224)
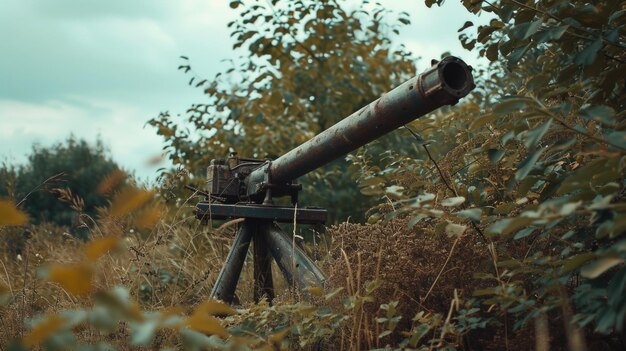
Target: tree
(69,171)
(304,65)
(533,164)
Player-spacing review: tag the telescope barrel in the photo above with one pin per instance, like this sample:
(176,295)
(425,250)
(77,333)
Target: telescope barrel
(443,84)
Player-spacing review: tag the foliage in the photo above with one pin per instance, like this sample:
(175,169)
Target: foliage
(305,65)
(77,299)
(522,185)
(70,171)
(533,163)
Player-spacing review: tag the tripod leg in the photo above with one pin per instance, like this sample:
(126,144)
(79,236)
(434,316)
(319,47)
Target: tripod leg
(224,288)
(297,267)
(263,285)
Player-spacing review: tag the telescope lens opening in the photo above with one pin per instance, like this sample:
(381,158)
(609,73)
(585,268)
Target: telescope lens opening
(454,75)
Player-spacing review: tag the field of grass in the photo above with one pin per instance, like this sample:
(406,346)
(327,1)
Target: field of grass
(143,281)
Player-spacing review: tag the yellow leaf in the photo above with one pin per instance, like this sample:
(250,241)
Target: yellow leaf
(206,324)
(172,311)
(5,295)
(43,330)
(76,279)
(128,200)
(110,182)
(603,264)
(99,247)
(315,291)
(215,308)
(148,217)
(278,337)
(155,160)
(10,215)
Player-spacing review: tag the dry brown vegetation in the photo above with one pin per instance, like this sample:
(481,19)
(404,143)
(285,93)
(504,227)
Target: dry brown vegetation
(175,264)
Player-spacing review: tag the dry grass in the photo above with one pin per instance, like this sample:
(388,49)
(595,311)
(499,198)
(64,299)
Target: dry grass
(176,263)
(406,262)
(173,264)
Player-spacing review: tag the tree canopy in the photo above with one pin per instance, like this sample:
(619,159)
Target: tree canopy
(533,163)
(70,171)
(304,66)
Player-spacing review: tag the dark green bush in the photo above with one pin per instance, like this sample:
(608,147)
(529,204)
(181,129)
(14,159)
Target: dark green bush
(70,171)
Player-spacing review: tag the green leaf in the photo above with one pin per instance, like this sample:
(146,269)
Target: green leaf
(524,233)
(482,120)
(492,52)
(507,226)
(516,55)
(564,144)
(384,333)
(612,228)
(466,25)
(596,268)
(568,235)
(527,165)
(538,81)
(574,262)
(589,54)
(507,137)
(524,186)
(600,113)
(511,104)
(333,293)
(483,292)
(617,138)
(394,192)
(484,33)
(456,230)
(534,136)
(505,208)
(143,333)
(581,178)
(453,201)
(495,155)
(471,213)
(550,34)
(372,285)
(569,208)
(525,30)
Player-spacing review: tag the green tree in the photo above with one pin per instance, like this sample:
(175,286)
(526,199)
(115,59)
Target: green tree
(533,164)
(74,165)
(305,65)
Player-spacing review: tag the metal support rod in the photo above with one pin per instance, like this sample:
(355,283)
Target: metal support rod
(224,288)
(296,266)
(263,284)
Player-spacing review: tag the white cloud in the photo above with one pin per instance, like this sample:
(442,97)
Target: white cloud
(95,67)
(24,124)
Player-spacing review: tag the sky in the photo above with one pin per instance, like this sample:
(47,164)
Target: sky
(101,69)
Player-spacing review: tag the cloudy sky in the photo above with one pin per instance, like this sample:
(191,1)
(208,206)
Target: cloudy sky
(103,68)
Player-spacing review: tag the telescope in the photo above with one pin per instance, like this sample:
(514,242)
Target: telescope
(245,187)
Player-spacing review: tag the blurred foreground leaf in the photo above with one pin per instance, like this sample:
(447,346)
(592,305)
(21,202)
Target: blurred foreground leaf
(10,215)
(76,279)
(43,330)
(99,247)
(129,199)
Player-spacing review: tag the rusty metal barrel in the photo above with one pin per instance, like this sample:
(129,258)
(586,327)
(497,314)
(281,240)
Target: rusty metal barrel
(444,83)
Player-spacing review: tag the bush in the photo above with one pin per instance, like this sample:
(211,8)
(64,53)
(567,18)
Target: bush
(69,171)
